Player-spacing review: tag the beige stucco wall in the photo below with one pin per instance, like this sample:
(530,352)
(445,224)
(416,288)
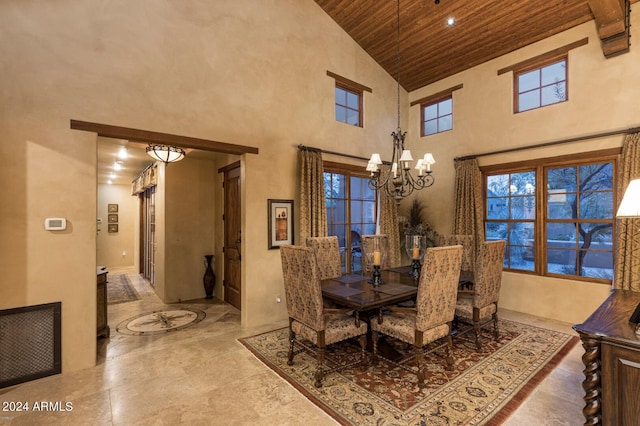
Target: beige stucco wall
(117,249)
(601,98)
(189,226)
(245,72)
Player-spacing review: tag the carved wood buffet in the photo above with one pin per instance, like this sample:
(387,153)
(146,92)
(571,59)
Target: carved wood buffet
(612,362)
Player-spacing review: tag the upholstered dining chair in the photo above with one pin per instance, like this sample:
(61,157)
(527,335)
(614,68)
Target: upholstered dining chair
(309,321)
(431,319)
(327,250)
(468,255)
(480,306)
(367,267)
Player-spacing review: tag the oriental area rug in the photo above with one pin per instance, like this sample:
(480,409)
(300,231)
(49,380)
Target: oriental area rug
(483,388)
(120,290)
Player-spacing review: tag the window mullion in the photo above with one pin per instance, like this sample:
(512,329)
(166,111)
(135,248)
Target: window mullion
(540,222)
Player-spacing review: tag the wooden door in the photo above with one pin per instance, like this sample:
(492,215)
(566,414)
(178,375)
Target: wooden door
(232,236)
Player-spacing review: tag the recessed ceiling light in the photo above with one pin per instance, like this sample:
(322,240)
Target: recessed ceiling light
(109,182)
(112,175)
(117,165)
(122,153)
(451,21)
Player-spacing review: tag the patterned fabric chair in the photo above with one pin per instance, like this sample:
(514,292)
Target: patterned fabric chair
(480,306)
(431,319)
(327,251)
(309,321)
(468,256)
(367,267)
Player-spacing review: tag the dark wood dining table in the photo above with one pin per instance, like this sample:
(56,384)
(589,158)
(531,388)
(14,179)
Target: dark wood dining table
(355,292)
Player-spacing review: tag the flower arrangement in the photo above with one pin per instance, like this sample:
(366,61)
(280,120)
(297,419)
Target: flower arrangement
(416,225)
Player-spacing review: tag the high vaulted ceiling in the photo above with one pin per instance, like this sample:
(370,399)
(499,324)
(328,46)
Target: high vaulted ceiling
(484,30)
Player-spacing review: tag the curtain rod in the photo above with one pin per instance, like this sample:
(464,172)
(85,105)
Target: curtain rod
(309,148)
(558,142)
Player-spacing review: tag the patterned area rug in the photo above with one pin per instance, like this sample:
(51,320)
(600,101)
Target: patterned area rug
(120,290)
(484,388)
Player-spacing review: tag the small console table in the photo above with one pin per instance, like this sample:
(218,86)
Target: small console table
(102,327)
(612,362)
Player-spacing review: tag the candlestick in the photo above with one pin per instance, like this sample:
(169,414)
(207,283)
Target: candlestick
(416,253)
(377,258)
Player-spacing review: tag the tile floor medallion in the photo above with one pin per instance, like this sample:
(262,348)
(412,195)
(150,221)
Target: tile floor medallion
(158,322)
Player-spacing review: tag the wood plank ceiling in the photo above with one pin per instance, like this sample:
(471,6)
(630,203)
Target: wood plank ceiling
(484,29)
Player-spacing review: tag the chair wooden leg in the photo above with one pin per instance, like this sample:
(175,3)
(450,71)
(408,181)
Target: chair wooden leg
(496,331)
(292,338)
(477,330)
(449,356)
(374,341)
(419,355)
(319,371)
(363,351)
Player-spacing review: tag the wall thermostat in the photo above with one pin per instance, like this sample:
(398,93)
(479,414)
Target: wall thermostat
(55,224)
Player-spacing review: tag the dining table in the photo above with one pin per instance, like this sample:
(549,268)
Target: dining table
(355,292)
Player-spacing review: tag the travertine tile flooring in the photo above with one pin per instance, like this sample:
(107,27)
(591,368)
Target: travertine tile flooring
(202,376)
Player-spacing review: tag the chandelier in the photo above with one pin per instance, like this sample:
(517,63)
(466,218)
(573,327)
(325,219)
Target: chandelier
(166,154)
(397,181)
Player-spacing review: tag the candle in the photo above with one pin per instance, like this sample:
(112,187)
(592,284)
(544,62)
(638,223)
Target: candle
(376,258)
(416,252)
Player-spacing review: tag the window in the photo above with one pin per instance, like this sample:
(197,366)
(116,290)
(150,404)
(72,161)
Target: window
(348,106)
(558,219)
(349,100)
(351,211)
(436,111)
(542,80)
(437,117)
(541,86)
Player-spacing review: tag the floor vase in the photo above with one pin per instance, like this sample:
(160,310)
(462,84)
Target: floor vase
(209,278)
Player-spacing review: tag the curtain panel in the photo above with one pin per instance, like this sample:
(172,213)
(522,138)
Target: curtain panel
(468,214)
(627,259)
(313,209)
(389,225)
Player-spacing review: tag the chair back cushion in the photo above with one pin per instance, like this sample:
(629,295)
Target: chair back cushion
(327,251)
(468,248)
(487,275)
(438,287)
(302,285)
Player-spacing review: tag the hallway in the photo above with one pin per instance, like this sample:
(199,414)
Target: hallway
(201,375)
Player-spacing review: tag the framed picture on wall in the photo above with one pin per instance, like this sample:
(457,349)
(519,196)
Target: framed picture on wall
(280,223)
(113,218)
(112,208)
(113,227)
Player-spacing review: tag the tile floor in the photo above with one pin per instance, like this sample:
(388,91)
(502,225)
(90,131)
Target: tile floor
(202,376)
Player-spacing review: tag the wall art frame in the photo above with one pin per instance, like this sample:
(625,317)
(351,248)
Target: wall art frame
(281,230)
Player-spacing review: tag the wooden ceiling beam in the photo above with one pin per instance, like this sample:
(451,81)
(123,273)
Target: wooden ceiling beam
(612,25)
(150,137)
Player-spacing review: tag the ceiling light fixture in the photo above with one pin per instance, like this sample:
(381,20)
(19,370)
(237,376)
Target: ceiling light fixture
(117,165)
(122,153)
(398,181)
(451,21)
(165,153)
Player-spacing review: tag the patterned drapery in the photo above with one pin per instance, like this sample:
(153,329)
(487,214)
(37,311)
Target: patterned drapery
(627,259)
(389,226)
(313,210)
(146,179)
(468,214)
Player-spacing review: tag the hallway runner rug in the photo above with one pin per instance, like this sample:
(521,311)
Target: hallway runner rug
(483,388)
(120,290)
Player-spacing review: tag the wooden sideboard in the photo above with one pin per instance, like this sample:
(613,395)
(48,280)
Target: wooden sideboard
(612,362)
(102,327)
